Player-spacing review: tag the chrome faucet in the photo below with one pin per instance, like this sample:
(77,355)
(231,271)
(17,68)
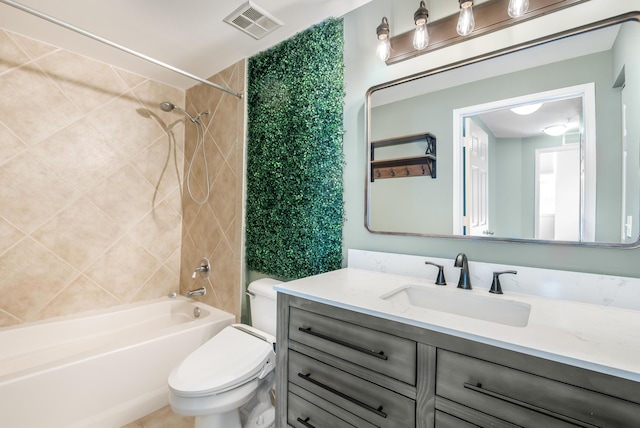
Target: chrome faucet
(465,281)
(197,292)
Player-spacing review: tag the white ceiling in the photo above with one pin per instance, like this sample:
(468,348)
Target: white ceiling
(187,34)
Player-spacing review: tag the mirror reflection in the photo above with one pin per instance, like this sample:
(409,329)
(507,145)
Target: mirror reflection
(567,170)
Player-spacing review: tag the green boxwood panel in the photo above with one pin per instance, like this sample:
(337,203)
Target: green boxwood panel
(295,206)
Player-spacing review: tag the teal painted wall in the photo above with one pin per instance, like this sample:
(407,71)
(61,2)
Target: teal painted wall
(363,71)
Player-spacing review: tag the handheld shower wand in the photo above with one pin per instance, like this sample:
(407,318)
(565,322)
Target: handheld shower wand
(200,130)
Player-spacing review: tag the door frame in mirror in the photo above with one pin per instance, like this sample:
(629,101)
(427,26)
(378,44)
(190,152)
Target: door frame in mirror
(588,161)
(627,17)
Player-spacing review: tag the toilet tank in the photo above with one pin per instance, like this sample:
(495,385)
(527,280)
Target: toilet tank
(262,298)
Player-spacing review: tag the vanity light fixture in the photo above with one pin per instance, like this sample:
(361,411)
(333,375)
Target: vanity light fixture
(466,20)
(421,33)
(517,8)
(384,43)
(472,21)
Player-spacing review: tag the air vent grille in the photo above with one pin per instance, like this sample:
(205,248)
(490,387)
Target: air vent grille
(252,20)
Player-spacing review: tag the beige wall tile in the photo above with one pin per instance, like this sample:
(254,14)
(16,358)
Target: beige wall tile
(73,184)
(32,106)
(79,234)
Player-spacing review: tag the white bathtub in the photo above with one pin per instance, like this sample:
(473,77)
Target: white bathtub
(101,369)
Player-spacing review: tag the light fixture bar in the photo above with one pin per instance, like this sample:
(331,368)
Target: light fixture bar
(100,39)
(489,16)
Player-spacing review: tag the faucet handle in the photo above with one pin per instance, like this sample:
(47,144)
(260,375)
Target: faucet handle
(495,284)
(440,279)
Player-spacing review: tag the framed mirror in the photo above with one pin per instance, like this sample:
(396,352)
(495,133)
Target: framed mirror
(536,143)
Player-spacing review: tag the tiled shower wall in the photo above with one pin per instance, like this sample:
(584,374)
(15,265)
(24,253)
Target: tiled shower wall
(213,229)
(90,183)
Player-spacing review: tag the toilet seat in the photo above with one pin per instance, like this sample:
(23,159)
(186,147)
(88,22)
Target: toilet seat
(230,359)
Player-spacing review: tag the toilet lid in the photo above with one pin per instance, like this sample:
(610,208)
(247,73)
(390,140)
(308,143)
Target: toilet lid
(228,359)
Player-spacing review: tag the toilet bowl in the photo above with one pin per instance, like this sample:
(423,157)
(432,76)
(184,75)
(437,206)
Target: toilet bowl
(226,372)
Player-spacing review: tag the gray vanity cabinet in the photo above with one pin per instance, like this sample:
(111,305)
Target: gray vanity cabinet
(341,368)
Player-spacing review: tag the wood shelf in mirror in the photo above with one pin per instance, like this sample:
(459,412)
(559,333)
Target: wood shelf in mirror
(407,166)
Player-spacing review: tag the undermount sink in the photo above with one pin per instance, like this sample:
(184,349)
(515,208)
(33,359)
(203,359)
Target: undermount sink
(462,302)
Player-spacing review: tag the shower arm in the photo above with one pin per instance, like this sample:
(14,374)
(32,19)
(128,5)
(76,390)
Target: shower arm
(116,45)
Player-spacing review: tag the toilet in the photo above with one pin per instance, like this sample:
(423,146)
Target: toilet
(233,368)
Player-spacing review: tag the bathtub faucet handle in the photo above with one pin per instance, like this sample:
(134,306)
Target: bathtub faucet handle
(203,269)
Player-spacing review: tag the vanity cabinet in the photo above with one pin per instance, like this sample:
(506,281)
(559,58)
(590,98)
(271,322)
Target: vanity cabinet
(341,368)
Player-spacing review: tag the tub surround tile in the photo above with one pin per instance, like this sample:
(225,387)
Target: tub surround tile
(159,231)
(132,80)
(31,192)
(79,234)
(9,235)
(11,53)
(212,230)
(162,282)
(80,154)
(126,196)
(130,131)
(28,97)
(80,147)
(88,83)
(30,276)
(32,47)
(162,164)
(79,296)
(136,266)
(10,144)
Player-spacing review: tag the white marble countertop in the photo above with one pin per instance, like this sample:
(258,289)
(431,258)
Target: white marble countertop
(594,337)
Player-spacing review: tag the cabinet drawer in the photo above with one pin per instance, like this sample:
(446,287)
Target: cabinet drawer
(303,414)
(367,400)
(525,399)
(381,352)
(444,420)
(302,404)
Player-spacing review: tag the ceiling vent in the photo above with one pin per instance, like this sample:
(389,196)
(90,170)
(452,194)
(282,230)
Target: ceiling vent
(253,20)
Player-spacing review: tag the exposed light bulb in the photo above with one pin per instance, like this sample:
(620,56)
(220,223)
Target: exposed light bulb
(517,8)
(384,48)
(421,33)
(466,21)
(383,51)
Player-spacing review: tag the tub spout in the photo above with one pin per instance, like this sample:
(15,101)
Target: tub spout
(197,292)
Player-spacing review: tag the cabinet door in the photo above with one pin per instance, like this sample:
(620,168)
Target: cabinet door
(525,399)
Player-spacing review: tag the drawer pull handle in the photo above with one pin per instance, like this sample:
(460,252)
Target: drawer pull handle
(478,388)
(371,352)
(305,422)
(378,411)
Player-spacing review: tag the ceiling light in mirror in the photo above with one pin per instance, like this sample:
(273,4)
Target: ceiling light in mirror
(555,130)
(527,109)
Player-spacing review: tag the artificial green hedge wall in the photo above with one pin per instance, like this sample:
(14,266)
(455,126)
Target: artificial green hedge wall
(295,206)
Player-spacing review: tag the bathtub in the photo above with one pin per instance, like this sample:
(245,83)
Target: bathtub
(99,369)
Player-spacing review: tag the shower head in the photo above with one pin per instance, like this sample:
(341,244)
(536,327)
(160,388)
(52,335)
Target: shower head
(167,106)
